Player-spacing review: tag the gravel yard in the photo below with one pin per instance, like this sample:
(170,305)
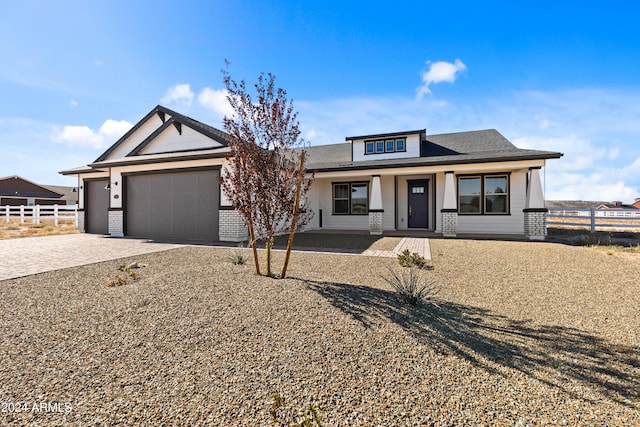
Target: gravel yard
(522,334)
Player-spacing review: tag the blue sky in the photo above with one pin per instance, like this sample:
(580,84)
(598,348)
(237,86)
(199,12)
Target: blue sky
(75,75)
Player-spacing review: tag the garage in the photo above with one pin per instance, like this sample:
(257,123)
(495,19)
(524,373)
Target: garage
(97,207)
(179,205)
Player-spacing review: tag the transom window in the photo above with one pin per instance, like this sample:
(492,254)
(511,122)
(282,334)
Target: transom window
(385,146)
(483,194)
(351,198)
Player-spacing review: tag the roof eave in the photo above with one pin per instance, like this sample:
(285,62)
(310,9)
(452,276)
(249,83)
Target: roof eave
(380,135)
(404,164)
(140,160)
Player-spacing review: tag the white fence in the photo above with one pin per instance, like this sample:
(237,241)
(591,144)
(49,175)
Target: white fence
(40,212)
(595,219)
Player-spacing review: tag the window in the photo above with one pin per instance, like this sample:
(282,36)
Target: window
(390,146)
(385,146)
(351,198)
(369,148)
(484,194)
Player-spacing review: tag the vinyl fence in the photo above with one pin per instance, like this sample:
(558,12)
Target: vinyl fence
(595,219)
(40,212)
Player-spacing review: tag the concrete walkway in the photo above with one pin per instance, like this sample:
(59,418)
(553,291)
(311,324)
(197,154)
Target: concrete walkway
(419,245)
(30,255)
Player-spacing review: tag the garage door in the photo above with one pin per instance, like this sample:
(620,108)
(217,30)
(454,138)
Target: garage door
(180,205)
(96,207)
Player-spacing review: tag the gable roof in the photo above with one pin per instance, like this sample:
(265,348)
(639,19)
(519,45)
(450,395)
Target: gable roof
(441,149)
(17,186)
(175,119)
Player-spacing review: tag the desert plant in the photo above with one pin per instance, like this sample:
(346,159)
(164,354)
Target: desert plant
(408,259)
(412,286)
(129,274)
(237,257)
(309,418)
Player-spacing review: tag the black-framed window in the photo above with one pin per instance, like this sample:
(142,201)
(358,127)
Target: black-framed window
(385,146)
(351,198)
(483,194)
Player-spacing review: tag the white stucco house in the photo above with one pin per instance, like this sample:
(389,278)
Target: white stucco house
(160,181)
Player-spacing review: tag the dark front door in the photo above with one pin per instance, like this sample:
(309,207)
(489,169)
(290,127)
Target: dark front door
(418,203)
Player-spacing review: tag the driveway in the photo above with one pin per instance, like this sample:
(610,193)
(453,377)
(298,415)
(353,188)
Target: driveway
(31,255)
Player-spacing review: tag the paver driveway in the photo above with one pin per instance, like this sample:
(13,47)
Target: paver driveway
(30,255)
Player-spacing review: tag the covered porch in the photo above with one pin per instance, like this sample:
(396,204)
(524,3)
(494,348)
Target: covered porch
(430,201)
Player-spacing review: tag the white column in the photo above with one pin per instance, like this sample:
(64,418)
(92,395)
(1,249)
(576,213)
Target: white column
(376,212)
(535,198)
(449,210)
(449,192)
(375,203)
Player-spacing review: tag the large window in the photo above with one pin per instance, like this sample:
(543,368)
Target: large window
(385,146)
(483,194)
(351,198)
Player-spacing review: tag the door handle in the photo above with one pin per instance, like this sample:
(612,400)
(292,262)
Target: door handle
(409,210)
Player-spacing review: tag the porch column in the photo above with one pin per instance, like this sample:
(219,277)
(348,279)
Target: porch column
(375,206)
(535,213)
(449,206)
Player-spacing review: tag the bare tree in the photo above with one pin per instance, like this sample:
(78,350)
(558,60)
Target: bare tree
(264,179)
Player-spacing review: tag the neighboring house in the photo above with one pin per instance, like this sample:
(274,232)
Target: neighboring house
(636,204)
(160,180)
(16,191)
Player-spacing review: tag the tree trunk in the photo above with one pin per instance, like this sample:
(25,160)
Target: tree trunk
(268,245)
(252,238)
(294,219)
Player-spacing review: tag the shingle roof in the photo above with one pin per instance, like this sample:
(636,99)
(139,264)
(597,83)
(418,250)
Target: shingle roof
(450,148)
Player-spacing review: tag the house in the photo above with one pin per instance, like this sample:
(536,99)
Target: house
(160,180)
(16,191)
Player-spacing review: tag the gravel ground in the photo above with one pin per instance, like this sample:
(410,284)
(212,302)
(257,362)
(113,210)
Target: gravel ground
(522,334)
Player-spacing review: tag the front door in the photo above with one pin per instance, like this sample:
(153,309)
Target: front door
(418,203)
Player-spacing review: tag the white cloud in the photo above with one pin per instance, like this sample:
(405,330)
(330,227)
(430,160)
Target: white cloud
(440,71)
(179,94)
(73,103)
(216,101)
(84,136)
(115,128)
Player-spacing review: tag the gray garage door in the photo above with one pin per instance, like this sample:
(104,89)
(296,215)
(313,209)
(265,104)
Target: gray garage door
(180,205)
(96,207)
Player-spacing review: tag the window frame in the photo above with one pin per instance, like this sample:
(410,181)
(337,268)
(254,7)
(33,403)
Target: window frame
(386,146)
(350,198)
(482,210)
(381,146)
(367,145)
